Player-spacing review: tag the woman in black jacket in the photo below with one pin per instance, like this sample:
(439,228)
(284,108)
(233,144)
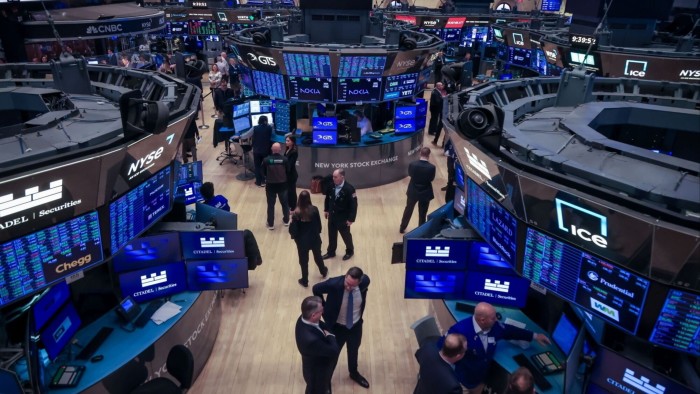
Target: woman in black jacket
(292,155)
(306,232)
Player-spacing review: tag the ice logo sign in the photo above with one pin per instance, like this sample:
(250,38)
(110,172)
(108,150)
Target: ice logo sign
(595,236)
(154,279)
(212,242)
(437,252)
(636,68)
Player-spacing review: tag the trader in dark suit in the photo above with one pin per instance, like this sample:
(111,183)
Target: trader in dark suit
(340,208)
(317,345)
(436,100)
(343,308)
(420,189)
(262,144)
(112,58)
(437,374)
(483,331)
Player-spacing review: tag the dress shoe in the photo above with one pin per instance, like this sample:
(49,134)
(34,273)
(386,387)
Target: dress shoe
(324,272)
(328,256)
(402,230)
(360,380)
(347,256)
(303,282)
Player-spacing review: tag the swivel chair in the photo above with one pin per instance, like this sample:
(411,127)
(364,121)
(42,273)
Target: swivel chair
(426,329)
(246,145)
(180,365)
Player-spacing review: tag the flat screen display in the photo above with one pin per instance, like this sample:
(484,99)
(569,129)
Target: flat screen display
(459,175)
(307,64)
(359,89)
(361,66)
(398,86)
(519,56)
(325,137)
(189,172)
(60,330)
(448,285)
(49,303)
(242,124)
(220,219)
(405,126)
(201,245)
(619,375)
(565,333)
(484,258)
(325,123)
(460,201)
(452,35)
(550,5)
(258,106)
(498,226)
(203,28)
(590,61)
(217,274)
(608,291)
(139,209)
(405,112)
(147,252)
(678,324)
(241,109)
(255,118)
(154,282)
(436,254)
(421,107)
(178,28)
(31,262)
(310,89)
(269,84)
(507,290)
(594,325)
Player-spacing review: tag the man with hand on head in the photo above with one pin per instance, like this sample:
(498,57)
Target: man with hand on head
(343,308)
(437,375)
(483,331)
(317,345)
(340,208)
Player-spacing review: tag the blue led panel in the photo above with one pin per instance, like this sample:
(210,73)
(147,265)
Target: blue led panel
(361,66)
(447,285)
(147,252)
(212,245)
(217,274)
(154,282)
(269,84)
(678,324)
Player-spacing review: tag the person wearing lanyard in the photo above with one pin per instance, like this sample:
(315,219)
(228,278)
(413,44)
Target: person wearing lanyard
(343,308)
(483,331)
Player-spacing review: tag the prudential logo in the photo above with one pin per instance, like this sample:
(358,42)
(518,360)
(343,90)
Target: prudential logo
(154,279)
(595,236)
(437,252)
(212,242)
(636,68)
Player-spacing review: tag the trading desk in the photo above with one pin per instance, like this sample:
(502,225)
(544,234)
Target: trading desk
(367,164)
(131,356)
(447,314)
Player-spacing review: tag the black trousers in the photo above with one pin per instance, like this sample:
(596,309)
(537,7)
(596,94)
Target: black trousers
(353,337)
(333,229)
(408,211)
(292,193)
(304,260)
(435,125)
(257,161)
(278,191)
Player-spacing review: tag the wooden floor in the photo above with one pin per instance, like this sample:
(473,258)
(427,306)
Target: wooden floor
(255,352)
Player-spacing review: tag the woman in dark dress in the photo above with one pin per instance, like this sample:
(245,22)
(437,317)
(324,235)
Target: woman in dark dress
(292,155)
(306,232)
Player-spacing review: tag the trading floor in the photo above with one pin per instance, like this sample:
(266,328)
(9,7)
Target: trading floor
(255,352)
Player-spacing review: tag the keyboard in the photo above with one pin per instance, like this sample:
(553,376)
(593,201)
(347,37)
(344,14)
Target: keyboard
(540,379)
(547,362)
(145,316)
(94,343)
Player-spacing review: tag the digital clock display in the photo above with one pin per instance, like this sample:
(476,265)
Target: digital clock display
(582,40)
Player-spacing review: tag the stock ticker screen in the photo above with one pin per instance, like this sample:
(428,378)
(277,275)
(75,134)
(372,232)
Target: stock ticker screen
(138,209)
(33,261)
(269,84)
(361,66)
(359,89)
(398,86)
(678,323)
(307,65)
(203,28)
(310,88)
(610,292)
(498,226)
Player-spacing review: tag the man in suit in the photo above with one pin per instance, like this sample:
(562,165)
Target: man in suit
(262,143)
(343,307)
(521,382)
(483,331)
(340,208)
(420,189)
(437,374)
(436,98)
(317,345)
(111,58)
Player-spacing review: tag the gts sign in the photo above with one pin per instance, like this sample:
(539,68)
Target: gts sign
(406,113)
(264,60)
(324,124)
(405,126)
(324,137)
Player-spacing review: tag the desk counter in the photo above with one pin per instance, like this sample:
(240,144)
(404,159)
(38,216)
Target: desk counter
(143,352)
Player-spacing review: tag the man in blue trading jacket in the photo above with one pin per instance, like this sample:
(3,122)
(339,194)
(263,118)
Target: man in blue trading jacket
(437,374)
(216,201)
(483,331)
(340,208)
(343,308)
(318,347)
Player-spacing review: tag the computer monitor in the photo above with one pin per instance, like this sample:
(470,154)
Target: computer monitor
(220,219)
(241,109)
(566,331)
(10,383)
(254,118)
(201,245)
(60,330)
(261,106)
(148,252)
(188,193)
(154,282)
(188,172)
(49,303)
(241,124)
(217,274)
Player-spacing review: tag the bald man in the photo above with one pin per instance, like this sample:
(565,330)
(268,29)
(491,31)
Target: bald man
(483,331)
(276,172)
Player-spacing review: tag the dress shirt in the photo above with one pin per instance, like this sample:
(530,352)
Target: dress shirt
(356,305)
(338,187)
(484,335)
(314,325)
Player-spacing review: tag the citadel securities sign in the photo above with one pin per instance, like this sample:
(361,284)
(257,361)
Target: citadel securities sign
(40,31)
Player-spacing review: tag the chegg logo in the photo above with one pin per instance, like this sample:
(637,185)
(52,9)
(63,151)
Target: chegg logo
(61,268)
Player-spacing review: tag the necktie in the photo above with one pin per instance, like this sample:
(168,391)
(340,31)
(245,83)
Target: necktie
(348,316)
